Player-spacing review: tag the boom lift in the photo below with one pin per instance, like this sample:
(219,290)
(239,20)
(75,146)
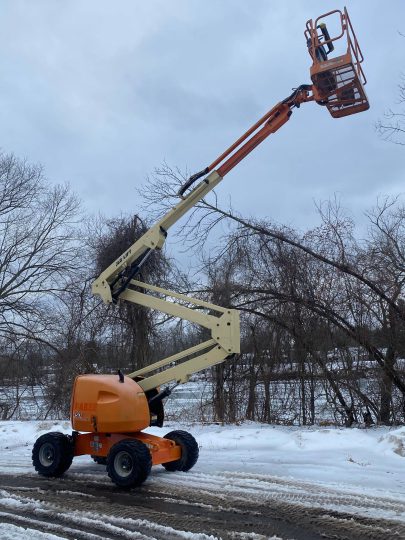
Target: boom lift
(109,412)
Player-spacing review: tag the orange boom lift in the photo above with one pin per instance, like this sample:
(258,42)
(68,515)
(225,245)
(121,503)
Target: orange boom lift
(109,412)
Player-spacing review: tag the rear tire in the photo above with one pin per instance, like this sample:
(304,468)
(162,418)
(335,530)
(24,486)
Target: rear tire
(189,451)
(129,463)
(52,454)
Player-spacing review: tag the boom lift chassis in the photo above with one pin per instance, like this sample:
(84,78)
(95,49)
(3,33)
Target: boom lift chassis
(109,412)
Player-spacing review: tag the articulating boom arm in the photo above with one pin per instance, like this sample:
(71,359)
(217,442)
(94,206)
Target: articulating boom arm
(224,327)
(337,83)
(117,281)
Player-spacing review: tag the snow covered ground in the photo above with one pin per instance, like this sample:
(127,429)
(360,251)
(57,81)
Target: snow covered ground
(9,531)
(356,471)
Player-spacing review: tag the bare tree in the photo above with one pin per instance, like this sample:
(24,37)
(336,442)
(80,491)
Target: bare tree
(38,246)
(134,323)
(354,288)
(392,128)
(39,257)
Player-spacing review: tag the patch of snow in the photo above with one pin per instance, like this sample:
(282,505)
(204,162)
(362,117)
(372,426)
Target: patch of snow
(393,441)
(13,532)
(60,529)
(252,536)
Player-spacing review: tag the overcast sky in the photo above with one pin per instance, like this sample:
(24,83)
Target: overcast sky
(102,92)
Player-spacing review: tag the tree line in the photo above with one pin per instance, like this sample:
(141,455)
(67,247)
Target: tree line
(323,312)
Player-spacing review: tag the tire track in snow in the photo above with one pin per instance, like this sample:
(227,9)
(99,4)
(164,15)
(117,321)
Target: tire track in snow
(262,487)
(50,527)
(52,517)
(220,505)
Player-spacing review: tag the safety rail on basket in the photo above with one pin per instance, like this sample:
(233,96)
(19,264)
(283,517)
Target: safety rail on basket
(339,79)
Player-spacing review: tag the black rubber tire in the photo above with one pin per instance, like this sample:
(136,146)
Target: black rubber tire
(189,451)
(100,460)
(129,463)
(52,454)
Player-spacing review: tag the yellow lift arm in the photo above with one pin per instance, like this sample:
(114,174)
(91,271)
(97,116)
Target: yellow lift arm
(115,284)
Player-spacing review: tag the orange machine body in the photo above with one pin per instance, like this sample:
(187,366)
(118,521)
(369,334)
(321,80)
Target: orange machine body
(99,444)
(103,404)
(109,411)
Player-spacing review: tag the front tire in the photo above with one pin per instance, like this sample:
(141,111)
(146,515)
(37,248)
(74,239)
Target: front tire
(189,451)
(52,454)
(129,463)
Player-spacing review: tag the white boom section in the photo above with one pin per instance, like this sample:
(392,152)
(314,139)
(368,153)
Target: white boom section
(153,239)
(224,324)
(224,329)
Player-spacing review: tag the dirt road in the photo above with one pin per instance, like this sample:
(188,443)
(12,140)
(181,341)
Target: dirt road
(87,506)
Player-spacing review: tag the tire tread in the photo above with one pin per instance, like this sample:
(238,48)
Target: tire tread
(141,456)
(189,448)
(64,448)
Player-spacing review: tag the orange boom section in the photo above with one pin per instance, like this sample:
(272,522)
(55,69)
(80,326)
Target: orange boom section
(108,404)
(338,80)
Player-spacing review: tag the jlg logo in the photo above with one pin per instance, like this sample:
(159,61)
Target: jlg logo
(123,257)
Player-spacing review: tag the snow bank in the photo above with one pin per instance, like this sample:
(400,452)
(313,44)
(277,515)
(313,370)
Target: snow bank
(361,460)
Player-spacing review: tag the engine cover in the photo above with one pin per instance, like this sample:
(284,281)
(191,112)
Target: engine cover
(101,403)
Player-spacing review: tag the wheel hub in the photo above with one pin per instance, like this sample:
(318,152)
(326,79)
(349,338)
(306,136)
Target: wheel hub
(123,464)
(46,455)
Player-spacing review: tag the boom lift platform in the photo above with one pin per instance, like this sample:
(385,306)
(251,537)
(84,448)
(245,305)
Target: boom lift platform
(109,412)
(338,82)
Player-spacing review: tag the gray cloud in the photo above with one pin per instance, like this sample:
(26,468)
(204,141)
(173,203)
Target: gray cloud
(102,92)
